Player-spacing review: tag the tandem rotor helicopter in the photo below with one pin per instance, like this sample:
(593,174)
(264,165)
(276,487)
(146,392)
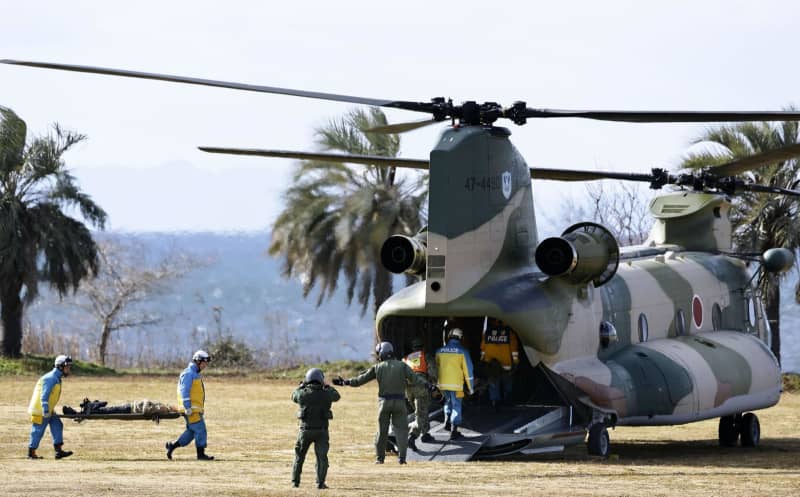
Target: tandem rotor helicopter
(668,332)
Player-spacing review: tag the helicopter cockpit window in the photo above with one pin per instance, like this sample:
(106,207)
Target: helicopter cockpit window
(680,323)
(643,331)
(716,317)
(608,334)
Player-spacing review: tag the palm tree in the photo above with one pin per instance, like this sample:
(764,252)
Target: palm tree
(337,216)
(38,241)
(760,221)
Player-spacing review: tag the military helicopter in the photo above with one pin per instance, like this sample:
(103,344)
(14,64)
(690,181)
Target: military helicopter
(668,332)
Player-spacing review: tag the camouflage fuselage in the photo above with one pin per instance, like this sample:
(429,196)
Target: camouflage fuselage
(689,333)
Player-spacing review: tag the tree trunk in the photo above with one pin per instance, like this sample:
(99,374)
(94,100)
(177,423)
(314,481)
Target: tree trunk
(106,333)
(11,317)
(772,302)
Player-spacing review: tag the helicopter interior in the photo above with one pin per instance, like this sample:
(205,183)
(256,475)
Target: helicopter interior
(529,385)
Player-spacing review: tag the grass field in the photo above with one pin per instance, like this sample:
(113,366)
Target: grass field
(252,429)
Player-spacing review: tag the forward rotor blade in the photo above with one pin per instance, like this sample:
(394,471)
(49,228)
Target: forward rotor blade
(756,161)
(372,160)
(665,116)
(574,175)
(401,127)
(215,83)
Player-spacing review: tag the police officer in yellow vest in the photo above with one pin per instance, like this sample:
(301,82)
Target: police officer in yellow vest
(192,397)
(43,409)
(455,370)
(500,352)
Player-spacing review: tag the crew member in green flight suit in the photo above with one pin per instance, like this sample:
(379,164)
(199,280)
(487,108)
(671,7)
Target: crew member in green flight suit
(314,398)
(393,376)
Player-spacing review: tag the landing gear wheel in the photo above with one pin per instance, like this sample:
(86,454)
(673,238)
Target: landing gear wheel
(598,443)
(750,430)
(728,431)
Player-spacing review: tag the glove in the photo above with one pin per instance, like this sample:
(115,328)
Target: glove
(339,381)
(188,411)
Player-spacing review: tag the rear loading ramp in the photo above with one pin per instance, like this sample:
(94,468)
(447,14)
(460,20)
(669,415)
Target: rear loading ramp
(488,433)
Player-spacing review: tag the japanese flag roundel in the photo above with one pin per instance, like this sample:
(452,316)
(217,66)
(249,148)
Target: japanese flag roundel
(697,311)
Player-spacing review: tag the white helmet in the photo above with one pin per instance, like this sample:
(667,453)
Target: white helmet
(62,360)
(200,356)
(456,333)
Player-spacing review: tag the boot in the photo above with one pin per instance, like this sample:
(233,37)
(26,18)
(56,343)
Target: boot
(427,438)
(322,486)
(32,454)
(60,453)
(412,442)
(447,424)
(454,433)
(171,446)
(201,454)
(378,461)
(402,460)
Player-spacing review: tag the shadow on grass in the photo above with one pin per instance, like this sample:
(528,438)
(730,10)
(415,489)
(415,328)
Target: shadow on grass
(772,454)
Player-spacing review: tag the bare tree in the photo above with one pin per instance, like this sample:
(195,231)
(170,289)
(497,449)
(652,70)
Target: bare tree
(128,276)
(621,207)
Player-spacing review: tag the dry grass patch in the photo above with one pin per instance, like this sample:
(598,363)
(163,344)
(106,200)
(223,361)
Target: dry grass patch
(252,430)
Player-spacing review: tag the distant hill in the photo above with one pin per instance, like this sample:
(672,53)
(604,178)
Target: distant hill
(261,308)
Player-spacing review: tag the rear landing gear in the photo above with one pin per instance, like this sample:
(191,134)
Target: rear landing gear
(750,430)
(734,427)
(598,443)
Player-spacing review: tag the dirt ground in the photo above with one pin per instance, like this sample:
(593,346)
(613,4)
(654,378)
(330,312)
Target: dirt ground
(252,429)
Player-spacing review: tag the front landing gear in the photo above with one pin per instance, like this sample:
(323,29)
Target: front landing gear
(598,443)
(736,426)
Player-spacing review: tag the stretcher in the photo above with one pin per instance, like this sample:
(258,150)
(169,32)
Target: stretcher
(133,411)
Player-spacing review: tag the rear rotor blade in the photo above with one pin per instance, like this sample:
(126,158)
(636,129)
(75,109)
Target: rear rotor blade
(665,116)
(373,160)
(575,175)
(756,161)
(770,189)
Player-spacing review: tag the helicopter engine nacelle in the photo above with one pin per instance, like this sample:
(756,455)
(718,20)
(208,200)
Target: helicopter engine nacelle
(777,260)
(403,254)
(584,252)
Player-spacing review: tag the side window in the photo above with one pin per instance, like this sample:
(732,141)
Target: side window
(716,317)
(750,305)
(643,331)
(680,323)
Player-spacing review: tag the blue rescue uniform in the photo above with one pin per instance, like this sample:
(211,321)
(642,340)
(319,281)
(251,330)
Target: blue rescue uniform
(43,409)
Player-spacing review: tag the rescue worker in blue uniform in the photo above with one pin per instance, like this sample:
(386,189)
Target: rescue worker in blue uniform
(42,408)
(455,370)
(314,398)
(192,398)
(393,376)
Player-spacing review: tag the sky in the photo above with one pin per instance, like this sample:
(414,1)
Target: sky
(141,163)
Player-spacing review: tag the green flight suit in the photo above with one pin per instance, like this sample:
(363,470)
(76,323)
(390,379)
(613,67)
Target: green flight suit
(393,376)
(315,410)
